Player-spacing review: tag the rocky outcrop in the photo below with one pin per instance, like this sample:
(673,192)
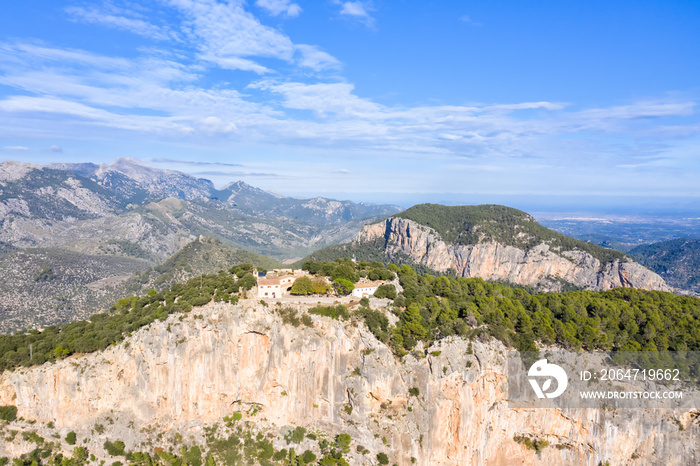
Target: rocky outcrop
(539,266)
(448,407)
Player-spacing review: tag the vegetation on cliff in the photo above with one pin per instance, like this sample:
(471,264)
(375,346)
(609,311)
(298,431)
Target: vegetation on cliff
(465,225)
(45,287)
(624,319)
(234,441)
(347,269)
(126,316)
(203,255)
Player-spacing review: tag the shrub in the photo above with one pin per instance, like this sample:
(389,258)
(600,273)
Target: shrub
(319,286)
(302,286)
(8,413)
(385,291)
(80,454)
(70,438)
(382,458)
(334,312)
(308,457)
(296,435)
(343,441)
(115,448)
(343,286)
(537,445)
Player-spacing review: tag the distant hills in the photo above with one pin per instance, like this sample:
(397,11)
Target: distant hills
(677,261)
(496,243)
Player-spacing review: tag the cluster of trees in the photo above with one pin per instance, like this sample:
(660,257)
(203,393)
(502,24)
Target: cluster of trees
(234,442)
(619,319)
(347,269)
(344,273)
(126,316)
(305,286)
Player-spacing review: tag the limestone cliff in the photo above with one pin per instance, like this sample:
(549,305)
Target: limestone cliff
(538,266)
(448,407)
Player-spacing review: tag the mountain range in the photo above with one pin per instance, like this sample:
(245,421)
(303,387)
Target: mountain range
(85,206)
(72,235)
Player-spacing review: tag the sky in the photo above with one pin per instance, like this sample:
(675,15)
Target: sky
(383,100)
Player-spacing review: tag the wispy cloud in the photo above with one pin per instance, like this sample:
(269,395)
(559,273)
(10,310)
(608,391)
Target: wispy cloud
(323,99)
(113,19)
(235,174)
(316,59)
(156,95)
(467,19)
(193,162)
(168,95)
(357,10)
(16,148)
(353,9)
(278,7)
(57,149)
(225,34)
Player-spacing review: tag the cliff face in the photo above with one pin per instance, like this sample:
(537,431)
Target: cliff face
(181,375)
(539,266)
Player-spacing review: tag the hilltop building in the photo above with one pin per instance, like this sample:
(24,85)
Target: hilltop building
(365,289)
(278,282)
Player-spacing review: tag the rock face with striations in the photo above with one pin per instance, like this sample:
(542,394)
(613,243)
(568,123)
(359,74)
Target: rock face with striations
(538,265)
(447,408)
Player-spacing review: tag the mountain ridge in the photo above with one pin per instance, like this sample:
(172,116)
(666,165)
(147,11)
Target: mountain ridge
(495,250)
(39,206)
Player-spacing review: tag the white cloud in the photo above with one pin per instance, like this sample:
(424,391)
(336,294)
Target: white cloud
(133,25)
(277,7)
(336,98)
(354,9)
(55,148)
(16,148)
(217,125)
(645,109)
(225,33)
(316,59)
(157,95)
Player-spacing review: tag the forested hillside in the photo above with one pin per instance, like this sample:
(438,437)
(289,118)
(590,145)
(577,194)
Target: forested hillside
(44,287)
(429,308)
(466,225)
(677,260)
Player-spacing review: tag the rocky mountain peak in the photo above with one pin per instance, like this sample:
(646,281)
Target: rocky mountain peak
(532,256)
(11,170)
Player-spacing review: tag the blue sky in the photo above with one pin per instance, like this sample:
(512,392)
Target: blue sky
(369,100)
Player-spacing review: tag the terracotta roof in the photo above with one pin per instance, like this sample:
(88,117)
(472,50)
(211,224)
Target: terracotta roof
(367,284)
(269,281)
